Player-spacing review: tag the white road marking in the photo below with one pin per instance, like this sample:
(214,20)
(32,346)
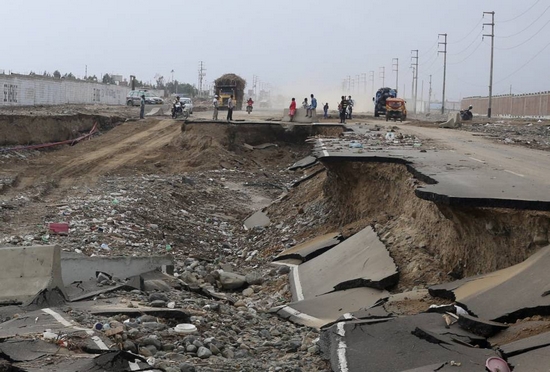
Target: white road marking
(481,161)
(325,152)
(296,276)
(342,361)
(100,343)
(514,173)
(58,317)
(347,316)
(292,311)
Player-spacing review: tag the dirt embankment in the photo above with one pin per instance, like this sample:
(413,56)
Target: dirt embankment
(28,129)
(430,243)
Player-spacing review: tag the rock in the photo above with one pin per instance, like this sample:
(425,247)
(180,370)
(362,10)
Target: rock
(214,349)
(145,352)
(154,326)
(254,278)
(204,353)
(248,292)
(158,303)
(241,354)
(283,270)
(198,344)
(171,369)
(156,285)
(232,280)
(152,341)
(264,333)
(148,318)
(152,349)
(129,346)
(175,356)
(293,346)
(133,333)
(186,367)
(313,349)
(191,349)
(239,303)
(158,297)
(228,353)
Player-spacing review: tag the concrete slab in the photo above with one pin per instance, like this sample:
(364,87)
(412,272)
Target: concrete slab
(392,346)
(311,248)
(360,261)
(534,361)
(26,272)
(300,116)
(526,345)
(450,178)
(488,296)
(308,161)
(319,311)
(258,219)
(77,267)
(27,350)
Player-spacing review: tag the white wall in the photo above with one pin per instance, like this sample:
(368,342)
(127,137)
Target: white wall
(21,90)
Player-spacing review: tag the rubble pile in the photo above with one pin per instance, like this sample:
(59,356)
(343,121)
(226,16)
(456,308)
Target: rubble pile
(534,135)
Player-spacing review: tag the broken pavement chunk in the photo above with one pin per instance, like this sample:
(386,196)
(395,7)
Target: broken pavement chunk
(480,327)
(488,296)
(303,163)
(360,261)
(258,219)
(311,248)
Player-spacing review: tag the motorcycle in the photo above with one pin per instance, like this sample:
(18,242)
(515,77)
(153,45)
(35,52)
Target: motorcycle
(249,109)
(466,114)
(179,110)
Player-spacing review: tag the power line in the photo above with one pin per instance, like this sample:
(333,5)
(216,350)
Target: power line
(469,55)
(525,64)
(468,47)
(516,17)
(538,32)
(469,33)
(526,28)
(429,50)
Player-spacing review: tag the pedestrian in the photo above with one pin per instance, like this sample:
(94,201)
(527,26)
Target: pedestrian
(325,110)
(311,107)
(142,107)
(305,104)
(215,104)
(230,107)
(343,109)
(292,109)
(350,107)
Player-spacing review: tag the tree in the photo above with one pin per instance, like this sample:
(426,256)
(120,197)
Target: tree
(160,81)
(46,74)
(182,88)
(69,76)
(57,74)
(108,79)
(91,78)
(32,73)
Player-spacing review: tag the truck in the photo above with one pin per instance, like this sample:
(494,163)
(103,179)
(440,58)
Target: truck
(380,100)
(227,85)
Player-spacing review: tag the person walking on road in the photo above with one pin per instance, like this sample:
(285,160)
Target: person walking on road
(215,104)
(142,107)
(350,107)
(230,107)
(325,110)
(305,104)
(292,109)
(343,110)
(311,107)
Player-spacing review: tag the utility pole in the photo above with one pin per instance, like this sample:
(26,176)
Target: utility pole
(422,95)
(86,73)
(371,79)
(492,36)
(254,85)
(364,78)
(430,95)
(358,78)
(202,74)
(395,68)
(383,75)
(444,51)
(412,85)
(349,83)
(414,57)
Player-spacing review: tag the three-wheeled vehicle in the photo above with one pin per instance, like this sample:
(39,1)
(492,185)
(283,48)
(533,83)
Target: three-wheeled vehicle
(396,109)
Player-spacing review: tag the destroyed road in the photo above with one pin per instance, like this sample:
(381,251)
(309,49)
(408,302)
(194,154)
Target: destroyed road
(259,246)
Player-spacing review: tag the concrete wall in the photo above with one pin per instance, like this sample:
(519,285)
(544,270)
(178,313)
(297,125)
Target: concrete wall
(23,90)
(515,105)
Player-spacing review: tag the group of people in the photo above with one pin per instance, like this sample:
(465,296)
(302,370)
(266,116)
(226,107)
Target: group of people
(345,108)
(309,106)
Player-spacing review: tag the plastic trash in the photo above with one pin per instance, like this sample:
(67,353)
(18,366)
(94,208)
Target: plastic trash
(185,328)
(98,326)
(356,145)
(168,247)
(105,246)
(49,335)
(390,136)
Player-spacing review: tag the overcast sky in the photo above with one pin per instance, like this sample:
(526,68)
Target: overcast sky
(297,46)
